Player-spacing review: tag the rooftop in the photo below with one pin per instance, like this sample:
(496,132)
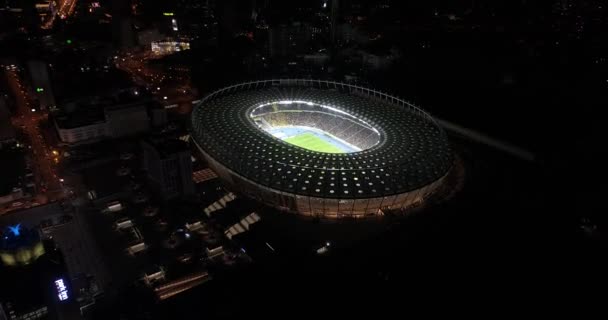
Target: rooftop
(413,153)
(91,110)
(14,236)
(7,131)
(12,167)
(167,148)
(105,179)
(30,295)
(82,116)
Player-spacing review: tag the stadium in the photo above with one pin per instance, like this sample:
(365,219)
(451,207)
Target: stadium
(321,148)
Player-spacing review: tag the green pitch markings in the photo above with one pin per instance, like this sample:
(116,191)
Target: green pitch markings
(310,141)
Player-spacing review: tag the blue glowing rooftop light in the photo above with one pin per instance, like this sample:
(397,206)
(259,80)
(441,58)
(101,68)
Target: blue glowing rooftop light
(16,229)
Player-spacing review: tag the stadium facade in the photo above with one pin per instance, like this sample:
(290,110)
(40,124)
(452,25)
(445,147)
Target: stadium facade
(321,148)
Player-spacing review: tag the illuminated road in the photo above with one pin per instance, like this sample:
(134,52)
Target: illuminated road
(43,161)
(176,88)
(65,9)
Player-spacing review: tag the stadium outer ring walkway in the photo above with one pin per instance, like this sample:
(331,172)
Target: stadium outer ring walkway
(402,172)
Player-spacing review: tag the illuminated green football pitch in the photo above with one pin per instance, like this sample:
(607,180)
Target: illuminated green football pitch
(312,142)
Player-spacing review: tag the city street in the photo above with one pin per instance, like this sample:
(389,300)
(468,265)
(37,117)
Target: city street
(177,88)
(65,9)
(28,119)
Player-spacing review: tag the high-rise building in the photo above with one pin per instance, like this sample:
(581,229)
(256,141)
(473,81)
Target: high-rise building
(81,126)
(158,117)
(278,40)
(121,115)
(20,246)
(227,18)
(7,132)
(25,10)
(189,19)
(27,300)
(126,120)
(124,32)
(232,16)
(13,172)
(288,40)
(169,167)
(35,282)
(123,29)
(335,11)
